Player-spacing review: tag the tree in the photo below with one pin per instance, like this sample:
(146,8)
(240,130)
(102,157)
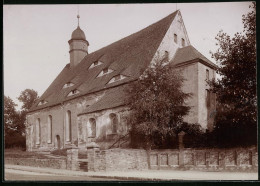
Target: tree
(11,125)
(157,102)
(28,97)
(10,114)
(236,90)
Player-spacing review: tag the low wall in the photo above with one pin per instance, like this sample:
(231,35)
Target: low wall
(117,160)
(235,159)
(50,163)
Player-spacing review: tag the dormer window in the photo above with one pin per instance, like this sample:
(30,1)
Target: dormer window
(73,92)
(42,102)
(96,63)
(69,84)
(175,38)
(117,78)
(105,71)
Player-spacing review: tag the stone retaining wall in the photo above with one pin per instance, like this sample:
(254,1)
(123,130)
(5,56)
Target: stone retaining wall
(50,163)
(235,159)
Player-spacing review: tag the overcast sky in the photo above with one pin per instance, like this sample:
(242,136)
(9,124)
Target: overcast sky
(36,36)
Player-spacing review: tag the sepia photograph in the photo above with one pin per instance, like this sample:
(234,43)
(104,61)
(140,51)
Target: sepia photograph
(130,92)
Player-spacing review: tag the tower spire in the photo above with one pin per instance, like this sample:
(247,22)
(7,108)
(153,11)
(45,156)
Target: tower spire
(78,16)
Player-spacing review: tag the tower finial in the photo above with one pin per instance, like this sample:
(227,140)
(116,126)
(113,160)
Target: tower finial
(78,16)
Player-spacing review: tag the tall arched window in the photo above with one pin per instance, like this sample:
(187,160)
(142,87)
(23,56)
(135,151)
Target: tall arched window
(38,131)
(114,122)
(92,122)
(175,38)
(68,126)
(49,129)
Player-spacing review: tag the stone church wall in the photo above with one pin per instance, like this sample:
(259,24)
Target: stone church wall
(58,113)
(104,134)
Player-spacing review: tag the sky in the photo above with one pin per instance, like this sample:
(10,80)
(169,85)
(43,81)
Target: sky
(36,37)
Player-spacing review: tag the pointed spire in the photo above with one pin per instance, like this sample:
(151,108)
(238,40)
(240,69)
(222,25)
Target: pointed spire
(78,16)
(78,19)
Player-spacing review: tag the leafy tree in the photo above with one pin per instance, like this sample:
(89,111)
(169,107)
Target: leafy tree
(28,98)
(10,114)
(12,133)
(157,103)
(236,90)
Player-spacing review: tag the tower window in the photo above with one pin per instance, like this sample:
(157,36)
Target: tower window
(175,38)
(182,42)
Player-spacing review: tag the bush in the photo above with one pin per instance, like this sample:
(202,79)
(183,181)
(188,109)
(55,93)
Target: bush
(14,139)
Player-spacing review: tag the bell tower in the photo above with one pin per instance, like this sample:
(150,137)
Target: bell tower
(78,46)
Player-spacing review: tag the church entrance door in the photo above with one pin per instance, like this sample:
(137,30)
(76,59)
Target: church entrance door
(57,144)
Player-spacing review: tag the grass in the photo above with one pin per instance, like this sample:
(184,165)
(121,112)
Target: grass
(20,153)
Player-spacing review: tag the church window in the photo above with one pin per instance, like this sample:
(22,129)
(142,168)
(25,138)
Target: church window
(68,126)
(92,122)
(95,63)
(207,74)
(38,131)
(182,42)
(208,98)
(113,122)
(175,38)
(49,128)
(69,84)
(117,78)
(73,92)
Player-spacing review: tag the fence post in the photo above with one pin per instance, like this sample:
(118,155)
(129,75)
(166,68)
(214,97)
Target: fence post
(72,158)
(91,151)
(181,148)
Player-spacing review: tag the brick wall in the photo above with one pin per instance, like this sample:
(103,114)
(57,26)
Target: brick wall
(235,159)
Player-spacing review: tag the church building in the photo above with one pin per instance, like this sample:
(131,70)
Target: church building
(86,101)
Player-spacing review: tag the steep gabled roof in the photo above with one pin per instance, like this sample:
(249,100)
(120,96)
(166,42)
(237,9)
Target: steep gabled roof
(190,53)
(114,97)
(128,56)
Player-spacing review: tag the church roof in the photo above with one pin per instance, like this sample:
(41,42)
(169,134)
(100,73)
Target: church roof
(189,53)
(128,57)
(78,34)
(114,97)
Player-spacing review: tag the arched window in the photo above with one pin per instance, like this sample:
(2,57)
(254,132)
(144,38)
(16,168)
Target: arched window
(38,131)
(49,129)
(175,38)
(92,122)
(182,42)
(68,126)
(114,122)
